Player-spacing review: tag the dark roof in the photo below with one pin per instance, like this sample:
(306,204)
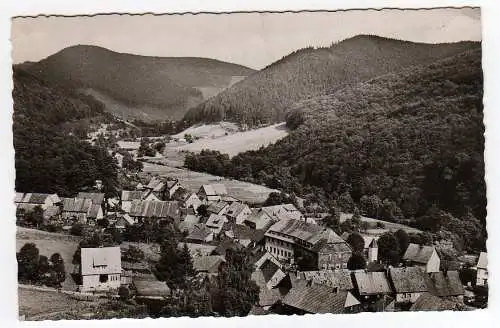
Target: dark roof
(331,278)
(428,302)
(97,197)
(199,232)
(244,232)
(318,299)
(132,195)
(372,283)
(235,209)
(216,207)
(226,244)
(308,232)
(181,194)
(408,280)
(78,205)
(208,263)
(443,285)
(158,209)
(33,198)
(418,253)
(267,296)
(94,211)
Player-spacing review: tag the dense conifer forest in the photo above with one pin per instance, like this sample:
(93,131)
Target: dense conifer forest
(406,146)
(265,96)
(49,124)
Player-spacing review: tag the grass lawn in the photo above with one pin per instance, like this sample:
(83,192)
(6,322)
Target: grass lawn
(35,303)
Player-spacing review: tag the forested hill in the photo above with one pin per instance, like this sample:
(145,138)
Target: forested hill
(403,144)
(165,87)
(49,156)
(265,96)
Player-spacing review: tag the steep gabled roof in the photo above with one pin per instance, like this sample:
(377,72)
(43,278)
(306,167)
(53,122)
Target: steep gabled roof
(429,302)
(482,262)
(132,195)
(319,299)
(200,232)
(156,209)
(77,205)
(216,207)
(102,260)
(94,211)
(96,197)
(215,189)
(34,198)
(216,221)
(372,283)
(235,209)
(408,280)
(208,263)
(444,285)
(418,253)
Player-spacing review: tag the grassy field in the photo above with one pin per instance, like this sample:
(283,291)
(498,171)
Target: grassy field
(234,143)
(388,226)
(49,243)
(244,191)
(35,304)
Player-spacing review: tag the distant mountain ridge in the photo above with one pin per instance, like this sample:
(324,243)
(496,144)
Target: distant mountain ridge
(265,97)
(154,87)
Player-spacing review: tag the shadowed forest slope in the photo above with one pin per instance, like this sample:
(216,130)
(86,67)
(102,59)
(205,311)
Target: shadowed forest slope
(264,97)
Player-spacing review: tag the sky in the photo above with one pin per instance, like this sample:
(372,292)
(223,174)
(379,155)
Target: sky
(254,40)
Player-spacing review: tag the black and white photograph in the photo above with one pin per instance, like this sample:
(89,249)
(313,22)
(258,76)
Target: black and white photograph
(249,163)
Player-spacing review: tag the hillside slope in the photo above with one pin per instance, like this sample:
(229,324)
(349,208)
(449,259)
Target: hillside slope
(412,139)
(160,87)
(49,154)
(265,96)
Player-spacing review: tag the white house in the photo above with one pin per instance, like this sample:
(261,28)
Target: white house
(100,268)
(482,269)
(371,249)
(422,256)
(212,192)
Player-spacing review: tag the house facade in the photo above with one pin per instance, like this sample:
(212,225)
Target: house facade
(482,270)
(100,269)
(237,212)
(298,241)
(422,256)
(212,192)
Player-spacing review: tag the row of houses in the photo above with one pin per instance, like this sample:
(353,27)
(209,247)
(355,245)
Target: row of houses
(85,207)
(344,291)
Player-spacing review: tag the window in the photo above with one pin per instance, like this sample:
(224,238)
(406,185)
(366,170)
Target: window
(337,266)
(103,278)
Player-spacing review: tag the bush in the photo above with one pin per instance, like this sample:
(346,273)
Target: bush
(77,229)
(124,293)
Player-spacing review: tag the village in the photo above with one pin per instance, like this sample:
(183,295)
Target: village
(299,265)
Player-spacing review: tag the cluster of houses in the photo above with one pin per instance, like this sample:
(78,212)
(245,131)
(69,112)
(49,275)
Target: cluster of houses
(300,266)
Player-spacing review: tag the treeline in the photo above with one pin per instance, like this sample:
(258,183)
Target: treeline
(265,96)
(49,154)
(404,147)
(32,267)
